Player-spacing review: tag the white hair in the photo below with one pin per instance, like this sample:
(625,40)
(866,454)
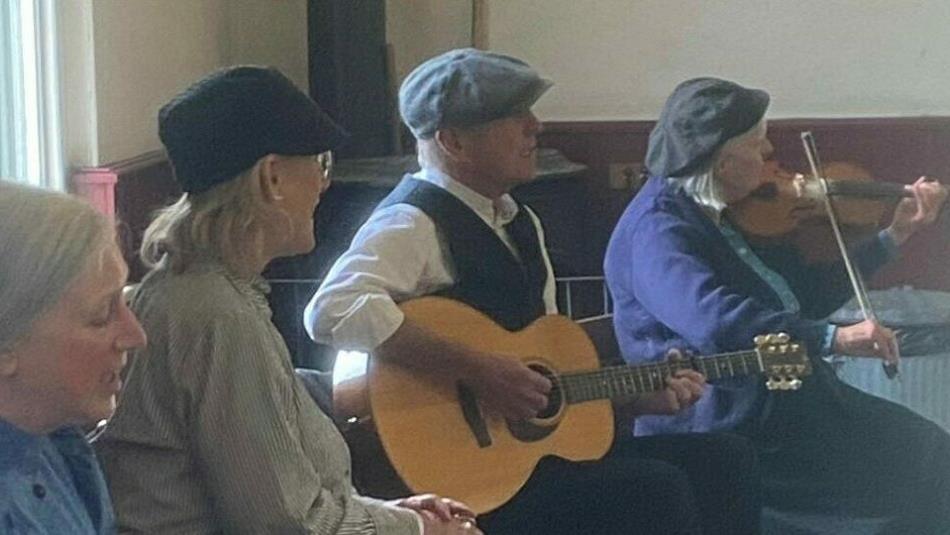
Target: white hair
(227,222)
(703,186)
(47,239)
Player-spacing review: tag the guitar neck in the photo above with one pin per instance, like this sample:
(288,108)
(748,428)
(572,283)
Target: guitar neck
(619,381)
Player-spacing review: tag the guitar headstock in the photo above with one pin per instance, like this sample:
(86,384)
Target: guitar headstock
(784,362)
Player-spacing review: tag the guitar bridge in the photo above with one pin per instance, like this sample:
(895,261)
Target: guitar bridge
(473,416)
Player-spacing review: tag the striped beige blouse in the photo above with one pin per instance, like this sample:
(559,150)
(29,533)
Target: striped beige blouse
(215,434)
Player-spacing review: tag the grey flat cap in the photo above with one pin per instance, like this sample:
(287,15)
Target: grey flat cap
(467,87)
(699,117)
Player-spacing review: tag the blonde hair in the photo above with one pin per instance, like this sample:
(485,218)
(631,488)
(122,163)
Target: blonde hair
(47,239)
(227,222)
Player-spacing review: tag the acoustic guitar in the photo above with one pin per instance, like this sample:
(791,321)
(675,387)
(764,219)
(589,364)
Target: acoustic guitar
(437,439)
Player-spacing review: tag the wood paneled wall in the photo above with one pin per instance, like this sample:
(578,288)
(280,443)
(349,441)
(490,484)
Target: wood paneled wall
(141,186)
(892,149)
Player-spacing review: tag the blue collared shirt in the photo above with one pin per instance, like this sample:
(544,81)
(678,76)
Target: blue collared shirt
(779,285)
(51,484)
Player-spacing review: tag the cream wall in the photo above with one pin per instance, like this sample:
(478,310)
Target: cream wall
(610,59)
(270,32)
(619,59)
(145,51)
(419,29)
(139,53)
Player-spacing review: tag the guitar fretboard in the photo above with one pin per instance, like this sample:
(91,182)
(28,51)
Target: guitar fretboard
(618,381)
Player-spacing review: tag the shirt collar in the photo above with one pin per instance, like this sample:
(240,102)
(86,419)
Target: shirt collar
(255,288)
(71,442)
(16,444)
(494,213)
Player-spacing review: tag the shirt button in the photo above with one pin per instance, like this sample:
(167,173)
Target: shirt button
(743,250)
(39,491)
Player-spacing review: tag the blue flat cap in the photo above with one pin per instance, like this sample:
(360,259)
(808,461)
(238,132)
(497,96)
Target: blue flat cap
(467,87)
(699,117)
(225,122)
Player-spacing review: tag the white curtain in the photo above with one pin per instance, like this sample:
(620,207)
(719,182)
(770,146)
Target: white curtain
(31,148)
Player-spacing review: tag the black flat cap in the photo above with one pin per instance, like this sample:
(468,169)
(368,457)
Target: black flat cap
(699,117)
(225,122)
(467,87)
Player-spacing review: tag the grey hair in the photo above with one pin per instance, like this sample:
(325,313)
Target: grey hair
(428,153)
(226,222)
(47,239)
(702,185)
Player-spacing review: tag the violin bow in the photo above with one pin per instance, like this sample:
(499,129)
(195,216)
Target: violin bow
(857,281)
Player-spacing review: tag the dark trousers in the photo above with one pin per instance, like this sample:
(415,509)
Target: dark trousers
(666,484)
(837,460)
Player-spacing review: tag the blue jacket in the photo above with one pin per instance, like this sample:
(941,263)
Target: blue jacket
(677,283)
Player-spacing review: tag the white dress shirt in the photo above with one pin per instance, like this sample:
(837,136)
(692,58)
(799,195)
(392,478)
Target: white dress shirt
(398,254)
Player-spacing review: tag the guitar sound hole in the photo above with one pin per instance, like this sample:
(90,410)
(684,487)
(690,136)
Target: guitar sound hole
(555,397)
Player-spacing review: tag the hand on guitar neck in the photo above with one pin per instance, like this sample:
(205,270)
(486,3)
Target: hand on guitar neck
(505,387)
(683,389)
(510,389)
(432,426)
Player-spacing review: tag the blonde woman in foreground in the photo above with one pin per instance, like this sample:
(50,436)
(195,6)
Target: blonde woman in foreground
(215,433)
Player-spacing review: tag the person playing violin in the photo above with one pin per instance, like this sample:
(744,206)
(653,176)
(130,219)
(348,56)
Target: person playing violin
(834,459)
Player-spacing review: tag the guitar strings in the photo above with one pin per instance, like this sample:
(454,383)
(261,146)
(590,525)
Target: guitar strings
(624,377)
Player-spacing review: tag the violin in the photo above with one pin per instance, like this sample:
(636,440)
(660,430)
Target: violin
(786,200)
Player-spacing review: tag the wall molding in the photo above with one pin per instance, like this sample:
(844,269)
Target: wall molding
(129,191)
(896,149)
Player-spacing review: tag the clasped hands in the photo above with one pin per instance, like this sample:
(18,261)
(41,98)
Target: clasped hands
(441,516)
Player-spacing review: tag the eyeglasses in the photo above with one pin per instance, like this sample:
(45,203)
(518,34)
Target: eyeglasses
(325,161)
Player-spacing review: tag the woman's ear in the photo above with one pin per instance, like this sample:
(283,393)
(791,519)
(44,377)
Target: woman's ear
(8,364)
(269,178)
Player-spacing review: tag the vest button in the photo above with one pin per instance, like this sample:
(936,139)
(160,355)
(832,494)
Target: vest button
(39,491)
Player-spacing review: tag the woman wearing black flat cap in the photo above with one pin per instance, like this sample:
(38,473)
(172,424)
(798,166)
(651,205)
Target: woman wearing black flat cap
(215,433)
(833,459)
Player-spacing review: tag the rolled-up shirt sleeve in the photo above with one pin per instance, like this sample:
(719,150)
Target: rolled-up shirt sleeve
(395,255)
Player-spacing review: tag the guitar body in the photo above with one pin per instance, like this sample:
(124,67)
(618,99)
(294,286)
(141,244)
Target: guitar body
(435,437)
(438,440)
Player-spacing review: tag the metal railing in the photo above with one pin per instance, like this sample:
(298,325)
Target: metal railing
(566,288)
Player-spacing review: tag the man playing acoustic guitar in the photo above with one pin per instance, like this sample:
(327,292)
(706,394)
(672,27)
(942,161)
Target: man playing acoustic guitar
(452,229)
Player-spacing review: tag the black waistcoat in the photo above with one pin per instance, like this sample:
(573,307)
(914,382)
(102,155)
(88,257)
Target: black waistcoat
(488,276)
